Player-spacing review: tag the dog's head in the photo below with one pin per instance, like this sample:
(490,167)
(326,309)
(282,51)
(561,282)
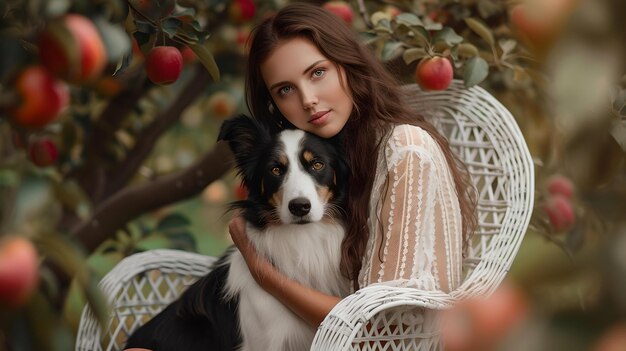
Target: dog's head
(292,177)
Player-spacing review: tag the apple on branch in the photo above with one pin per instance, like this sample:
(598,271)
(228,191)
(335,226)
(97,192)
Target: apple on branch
(241,10)
(164,64)
(43,152)
(341,9)
(434,73)
(19,272)
(72,49)
(41,98)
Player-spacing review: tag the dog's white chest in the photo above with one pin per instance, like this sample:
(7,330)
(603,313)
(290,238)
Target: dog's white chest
(309,254)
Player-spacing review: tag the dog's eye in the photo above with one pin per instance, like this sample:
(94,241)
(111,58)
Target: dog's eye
(318,166)
(276,171)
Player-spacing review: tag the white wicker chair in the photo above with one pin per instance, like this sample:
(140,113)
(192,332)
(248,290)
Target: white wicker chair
(488,140)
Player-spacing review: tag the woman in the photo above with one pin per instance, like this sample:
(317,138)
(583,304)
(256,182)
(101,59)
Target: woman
(410,209)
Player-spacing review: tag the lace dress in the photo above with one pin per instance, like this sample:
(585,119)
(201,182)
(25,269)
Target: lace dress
(415,220)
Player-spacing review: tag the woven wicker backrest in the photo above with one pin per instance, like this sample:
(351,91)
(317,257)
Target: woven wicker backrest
(138,288)
(484,134)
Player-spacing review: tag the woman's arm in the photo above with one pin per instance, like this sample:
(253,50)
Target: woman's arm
(309,304)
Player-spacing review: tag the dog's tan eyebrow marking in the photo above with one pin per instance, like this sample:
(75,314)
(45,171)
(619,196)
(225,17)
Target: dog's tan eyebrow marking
(283,160)
(308,156)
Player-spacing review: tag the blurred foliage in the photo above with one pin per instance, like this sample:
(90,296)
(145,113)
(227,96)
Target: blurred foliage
(563,82)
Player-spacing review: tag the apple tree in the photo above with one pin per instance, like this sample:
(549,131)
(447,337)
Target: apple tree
(109,112)
(108,117)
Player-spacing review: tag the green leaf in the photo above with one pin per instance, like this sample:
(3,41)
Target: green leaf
(102,263)
(207,59)
(618,131)
(97,301)
(145,41)
(447,35)
(433,26)
(413,54)
(182,241)
(56,8)
(173,222)
(383,26)
(171,25)
(482,30)
(368,38)
(152,242)
(422,37)
(391,50)
(476,70)
(507,46)
(409,19)
(467,50)
(8,178)
(145,27)
(187,12)
(116,40)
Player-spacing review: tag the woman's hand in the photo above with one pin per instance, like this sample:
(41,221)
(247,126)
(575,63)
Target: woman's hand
(311,305)
(237,230)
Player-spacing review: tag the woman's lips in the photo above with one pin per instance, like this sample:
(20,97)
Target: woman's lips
(319,117)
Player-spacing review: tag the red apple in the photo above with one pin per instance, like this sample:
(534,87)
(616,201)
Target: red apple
(560,212)
(480,323)
(341,9)
(434,73)
(18,271)
(539,21)
(189,56)
(77,67)
(559,184)
(164,64)
(221,105)
(241,193)
(241,10)
(41,98)
(43,152)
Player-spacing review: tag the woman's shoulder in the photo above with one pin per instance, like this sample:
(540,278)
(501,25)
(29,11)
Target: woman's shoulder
(409,134)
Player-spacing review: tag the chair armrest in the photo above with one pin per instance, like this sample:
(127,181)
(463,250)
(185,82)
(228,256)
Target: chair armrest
(367,315)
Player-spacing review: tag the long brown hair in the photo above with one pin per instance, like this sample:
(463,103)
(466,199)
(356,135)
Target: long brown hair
(378,105)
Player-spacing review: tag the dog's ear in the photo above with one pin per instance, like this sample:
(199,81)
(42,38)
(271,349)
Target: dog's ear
(243,134)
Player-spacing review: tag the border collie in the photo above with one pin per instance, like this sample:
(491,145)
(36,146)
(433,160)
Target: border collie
(295,214)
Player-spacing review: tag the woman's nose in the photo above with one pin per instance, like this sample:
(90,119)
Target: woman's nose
(309,98)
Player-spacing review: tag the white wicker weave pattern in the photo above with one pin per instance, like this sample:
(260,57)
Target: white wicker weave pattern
(486,137)
(378,317)
(138,288)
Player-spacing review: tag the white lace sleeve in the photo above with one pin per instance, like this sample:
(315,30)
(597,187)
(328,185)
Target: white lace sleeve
(415,221)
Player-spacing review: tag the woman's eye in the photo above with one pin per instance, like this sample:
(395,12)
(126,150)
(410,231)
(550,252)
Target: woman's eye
(284,90)
(318,73)
(276,171)
(318,166)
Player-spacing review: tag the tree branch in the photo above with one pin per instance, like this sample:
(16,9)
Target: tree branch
(131,202)
(364,14)
(103,132)
(122,173)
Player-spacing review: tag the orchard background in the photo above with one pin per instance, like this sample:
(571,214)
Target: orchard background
(108,118)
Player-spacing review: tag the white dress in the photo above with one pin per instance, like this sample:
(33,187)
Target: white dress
(415,221)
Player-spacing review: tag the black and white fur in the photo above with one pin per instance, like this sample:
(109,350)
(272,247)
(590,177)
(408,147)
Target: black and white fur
(295,214)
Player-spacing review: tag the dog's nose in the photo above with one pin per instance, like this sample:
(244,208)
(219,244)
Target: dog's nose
(300,206)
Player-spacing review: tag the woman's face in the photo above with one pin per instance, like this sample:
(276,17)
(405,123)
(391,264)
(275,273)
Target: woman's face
(306,87)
